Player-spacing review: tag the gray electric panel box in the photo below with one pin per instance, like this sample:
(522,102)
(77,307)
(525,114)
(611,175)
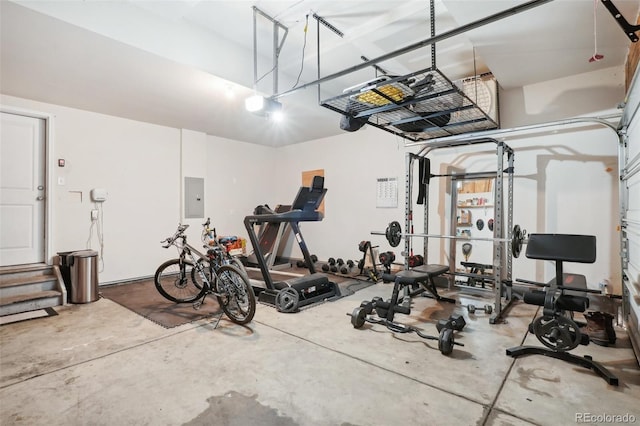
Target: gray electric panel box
(193,197)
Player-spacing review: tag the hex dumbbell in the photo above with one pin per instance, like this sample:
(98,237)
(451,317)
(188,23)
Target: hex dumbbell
(473,308)
(347,268)
(454,322)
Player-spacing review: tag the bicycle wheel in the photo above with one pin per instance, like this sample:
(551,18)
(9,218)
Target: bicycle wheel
(238,264)
(237,299)
(173,281)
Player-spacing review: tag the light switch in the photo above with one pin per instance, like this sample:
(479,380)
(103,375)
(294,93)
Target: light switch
(61,180)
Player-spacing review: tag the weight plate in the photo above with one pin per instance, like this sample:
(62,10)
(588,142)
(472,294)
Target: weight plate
(358,317)
(488,309)
(394,233)
(287,300)
(471,308)
(516,241)
(558,333)
(445,341)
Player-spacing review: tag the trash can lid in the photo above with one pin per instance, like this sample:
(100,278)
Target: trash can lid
(84,253)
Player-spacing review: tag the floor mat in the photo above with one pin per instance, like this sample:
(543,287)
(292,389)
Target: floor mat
(142,298)
(24,316)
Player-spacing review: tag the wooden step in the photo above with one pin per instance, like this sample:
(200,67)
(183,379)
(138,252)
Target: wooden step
(16,280)
(25,288)
(28,296)
(31,302)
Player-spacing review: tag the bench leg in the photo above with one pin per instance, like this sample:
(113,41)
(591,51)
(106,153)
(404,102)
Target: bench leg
(431,286)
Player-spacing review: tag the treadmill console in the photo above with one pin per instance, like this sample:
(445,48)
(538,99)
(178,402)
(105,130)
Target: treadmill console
(309,199)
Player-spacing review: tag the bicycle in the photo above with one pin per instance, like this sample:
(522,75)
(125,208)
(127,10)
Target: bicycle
(216,251)
(193,276)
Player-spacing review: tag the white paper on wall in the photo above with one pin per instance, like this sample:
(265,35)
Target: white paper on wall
(387,192)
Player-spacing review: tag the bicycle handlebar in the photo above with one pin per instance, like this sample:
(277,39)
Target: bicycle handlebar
(208,231)
(179,233)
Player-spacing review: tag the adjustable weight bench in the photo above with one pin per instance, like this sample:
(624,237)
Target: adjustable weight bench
(423,275)
(556,329)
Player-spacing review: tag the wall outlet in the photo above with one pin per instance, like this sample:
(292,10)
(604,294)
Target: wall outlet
(94,214)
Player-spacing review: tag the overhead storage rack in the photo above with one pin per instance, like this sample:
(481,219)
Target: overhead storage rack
(418,106)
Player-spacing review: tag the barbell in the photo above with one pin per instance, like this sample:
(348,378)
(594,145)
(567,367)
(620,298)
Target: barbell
(394,235)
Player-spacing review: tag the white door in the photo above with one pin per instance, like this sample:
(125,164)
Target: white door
(22,190)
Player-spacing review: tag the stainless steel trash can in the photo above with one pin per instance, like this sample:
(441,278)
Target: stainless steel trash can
(83,286)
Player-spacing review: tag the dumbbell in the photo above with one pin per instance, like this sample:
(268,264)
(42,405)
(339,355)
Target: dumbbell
(454,322)
(331,261)
(339,261)
(387,258)
(347,269)
(302,264)
(473,308)
(416,260)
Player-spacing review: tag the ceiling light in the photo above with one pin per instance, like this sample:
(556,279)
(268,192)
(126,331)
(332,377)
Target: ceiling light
(262,106)
(277,116)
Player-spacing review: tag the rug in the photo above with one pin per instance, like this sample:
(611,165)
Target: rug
(142,298)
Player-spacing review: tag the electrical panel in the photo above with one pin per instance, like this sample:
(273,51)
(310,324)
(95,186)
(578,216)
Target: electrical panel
(193,197)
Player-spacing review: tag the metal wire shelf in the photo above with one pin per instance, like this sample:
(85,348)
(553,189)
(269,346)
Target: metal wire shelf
(418,106)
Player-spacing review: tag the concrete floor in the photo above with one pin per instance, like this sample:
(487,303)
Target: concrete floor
(101,364)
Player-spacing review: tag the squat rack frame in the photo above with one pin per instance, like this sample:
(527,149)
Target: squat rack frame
(502,258)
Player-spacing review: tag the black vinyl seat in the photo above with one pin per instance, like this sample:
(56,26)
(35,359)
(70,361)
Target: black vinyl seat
(429,272)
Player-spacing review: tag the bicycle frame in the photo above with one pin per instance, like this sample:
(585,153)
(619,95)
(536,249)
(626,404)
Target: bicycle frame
(192,284)
(187,249)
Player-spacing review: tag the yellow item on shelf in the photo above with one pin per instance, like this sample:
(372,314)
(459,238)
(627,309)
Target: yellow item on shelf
(372,98)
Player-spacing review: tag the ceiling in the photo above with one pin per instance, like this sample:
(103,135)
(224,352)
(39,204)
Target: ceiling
(190,63)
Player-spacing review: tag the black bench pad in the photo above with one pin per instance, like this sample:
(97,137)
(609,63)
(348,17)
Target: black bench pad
(416,275)
(432,270)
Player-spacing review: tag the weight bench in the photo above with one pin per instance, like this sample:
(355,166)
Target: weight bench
(423,275)
(386,310)
(556,328)
(477,273)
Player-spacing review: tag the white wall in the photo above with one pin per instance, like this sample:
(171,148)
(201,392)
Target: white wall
(566,183)
(138,164)
(142,166)
(239,176)
(562,98)
(352,162)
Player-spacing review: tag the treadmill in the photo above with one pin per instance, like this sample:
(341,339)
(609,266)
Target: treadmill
(296,292)
(271,237)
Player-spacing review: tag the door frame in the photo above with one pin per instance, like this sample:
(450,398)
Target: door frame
(48,172)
